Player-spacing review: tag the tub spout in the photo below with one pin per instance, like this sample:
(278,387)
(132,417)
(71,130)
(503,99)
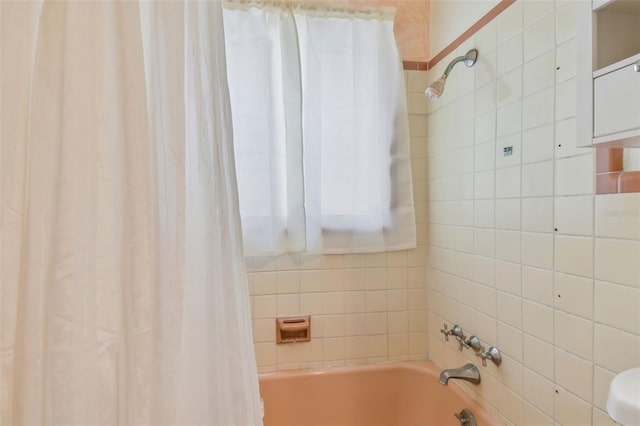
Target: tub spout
(469,372)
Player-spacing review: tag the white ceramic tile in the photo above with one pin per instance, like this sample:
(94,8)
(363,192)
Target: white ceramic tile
(601,382)
(537,285)
(574,334)
(485,68)
(537,144)
(511,374)
(508,214)
(575,175)
(486,98)
(537,179)
(510,54)
(486,37)
(484,184)
(565,21)
(574,255)
(510,341)
(565,143)
(288,304)
(510,405)
(485,299)
(574,215)
(538,356)
(537,320)
(507,182)
(617,306)
(417,81)
(533,10)
(618,261)
(532,416)
(627,348)
(566,99)
(509,309)
(484,242)
(510,87)
(537,214)
(566,60)
(509,119)
(537,250)
(483,213)
(618,215)
(571,410)
(574,294)
(509,277)
(539,36)
(485,127)
(539,73)
(508,245)
(485,158)
(574,374)
(510,21)
(537,109)
(538,391)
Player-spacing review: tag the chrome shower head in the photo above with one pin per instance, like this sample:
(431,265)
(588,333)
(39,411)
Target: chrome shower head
(435,90)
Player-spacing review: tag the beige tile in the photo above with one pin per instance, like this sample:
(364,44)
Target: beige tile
(485,98)
(537,285)
(565,21)
(574,374)
(397,300)
(617,306)
(417,103)
(537,214)
(510,54)
(574,334)
(508,245)
(264,307)
(574,295)
(264,283)
(566,99)
(574,255)
(398,344)
(509,309)
(601,418)
(539,37)
(565,143)
(484,185)
(507,181)
(601,382)
(377,346)
(311,303)
(486,37)
(537,109)
(484,213)
(333,349)
(510,87)
(265,354)
(509,22)
(508,214)
(264,330)
(484,270)
(537,179)
(537,250)
(538,391)
(538,144)
(533,10)
(355,324)
(333,325)
(618,261)
(376,300)
(511,374)
(532,416)
(566,55)
(510,405)
(537,320)
(574,175)
(571,410)
(508,277)
(417,321)
(626,353)
(484,242)
(509,119)
(376,323)
(538,356)
(485,299)
(539,73)
(485,156)
(510,341)
(574,215)
(485,69)
(333,303)
(416,81)
(355,347)
(485,127)
(618,216)
(334,280)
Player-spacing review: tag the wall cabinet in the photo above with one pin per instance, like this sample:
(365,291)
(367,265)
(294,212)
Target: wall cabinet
(608,73)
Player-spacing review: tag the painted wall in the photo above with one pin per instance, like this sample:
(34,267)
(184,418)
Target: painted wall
(450,18)
(365,308)
(522,253)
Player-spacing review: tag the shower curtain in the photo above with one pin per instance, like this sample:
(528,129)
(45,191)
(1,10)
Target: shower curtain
(124,296)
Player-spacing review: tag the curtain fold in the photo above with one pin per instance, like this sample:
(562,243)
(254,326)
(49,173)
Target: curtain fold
(124,293)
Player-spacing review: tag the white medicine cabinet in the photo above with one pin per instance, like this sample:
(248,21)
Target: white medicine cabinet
(608,73)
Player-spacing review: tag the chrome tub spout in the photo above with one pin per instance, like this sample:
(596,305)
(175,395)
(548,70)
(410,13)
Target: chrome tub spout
(468,372)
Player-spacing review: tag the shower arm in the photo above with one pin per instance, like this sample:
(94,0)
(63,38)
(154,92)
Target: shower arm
(469,59)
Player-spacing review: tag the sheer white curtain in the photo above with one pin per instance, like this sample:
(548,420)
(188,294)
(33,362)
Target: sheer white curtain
(124,294)
(338,94)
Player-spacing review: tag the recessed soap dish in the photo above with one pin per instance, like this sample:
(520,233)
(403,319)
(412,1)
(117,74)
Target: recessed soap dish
(293,329)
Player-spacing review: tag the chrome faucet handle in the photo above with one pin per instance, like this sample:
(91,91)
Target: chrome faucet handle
(446,332)
(493,354)
(474,343)
(457,332)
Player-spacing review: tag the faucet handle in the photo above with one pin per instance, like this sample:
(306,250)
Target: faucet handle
(446,332)
(473,343)
(493,354)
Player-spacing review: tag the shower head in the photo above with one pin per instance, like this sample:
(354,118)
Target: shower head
(435,90)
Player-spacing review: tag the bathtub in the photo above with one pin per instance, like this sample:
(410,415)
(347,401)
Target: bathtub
(398,394)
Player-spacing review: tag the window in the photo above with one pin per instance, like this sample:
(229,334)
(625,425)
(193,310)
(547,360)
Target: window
(320,131)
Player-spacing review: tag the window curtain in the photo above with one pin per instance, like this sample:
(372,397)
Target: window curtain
(124,294)
(325,124)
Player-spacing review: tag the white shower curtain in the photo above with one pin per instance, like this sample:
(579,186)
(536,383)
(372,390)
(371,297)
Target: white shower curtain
(123,294)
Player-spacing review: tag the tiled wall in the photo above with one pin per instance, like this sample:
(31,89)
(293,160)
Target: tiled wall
(364,307)
(522,253)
